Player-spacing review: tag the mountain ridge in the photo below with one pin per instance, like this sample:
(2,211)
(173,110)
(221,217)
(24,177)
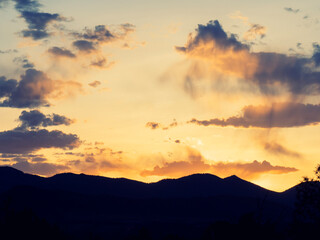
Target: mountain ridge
(196,176)
(84,203)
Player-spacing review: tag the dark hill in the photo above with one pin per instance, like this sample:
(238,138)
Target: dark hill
(116,207)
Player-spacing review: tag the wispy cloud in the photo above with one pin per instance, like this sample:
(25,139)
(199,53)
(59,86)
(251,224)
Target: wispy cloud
(255,30)
(292,10)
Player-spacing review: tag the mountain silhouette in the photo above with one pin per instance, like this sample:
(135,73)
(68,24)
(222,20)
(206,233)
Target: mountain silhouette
(116,207)
(196,185)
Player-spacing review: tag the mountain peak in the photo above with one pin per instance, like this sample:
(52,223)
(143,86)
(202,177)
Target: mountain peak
(201,176)
(9,170)
(233,177)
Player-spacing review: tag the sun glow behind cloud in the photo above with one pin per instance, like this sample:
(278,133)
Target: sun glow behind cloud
(151,89)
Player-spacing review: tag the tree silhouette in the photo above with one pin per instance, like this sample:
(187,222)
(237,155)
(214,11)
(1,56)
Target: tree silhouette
(307,208)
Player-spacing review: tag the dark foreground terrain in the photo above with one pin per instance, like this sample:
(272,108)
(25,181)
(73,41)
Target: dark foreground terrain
(200,206)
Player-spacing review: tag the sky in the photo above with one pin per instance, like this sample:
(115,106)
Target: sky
(149,90)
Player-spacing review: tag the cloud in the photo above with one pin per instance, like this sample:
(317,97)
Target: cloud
(100,34)
(100,63)
(61,52)
(3,3)
(95,84)
(255,30)
(155,125)
(7,86)
(152,125)
(41,168)
(35,119)
(98,160)
(271,72)
(38,159)
(24,62)
(84,46)
(316,54)
(29,141)
(299,46)
(90,40)
(27,5)
(213,33)
(103,34)
(20,156)
(278,149)
(277,115)
(35,34)
(33,90)
(196,163)
(37,21)
(8,51)
(289,9)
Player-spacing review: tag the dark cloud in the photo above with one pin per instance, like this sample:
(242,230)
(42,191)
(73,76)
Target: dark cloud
(35,119)
(267,70)
(316,54)
(152,125)
(84,46)
(27,5)
(102,33)
(33,90)
(90,40)
(213,31)
(196,163)
(277,115)
(14,155)
(289,9)
(35,34)
(7,86)
(61,52)
(29,141)
(37,21)
(290,71)
(95,84)
(41,168)
(75,154)
(278,149)
(155,125)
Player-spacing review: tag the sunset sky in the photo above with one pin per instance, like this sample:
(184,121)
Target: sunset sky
(161,89)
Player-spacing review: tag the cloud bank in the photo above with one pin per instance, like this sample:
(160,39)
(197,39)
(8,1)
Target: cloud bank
(29,141)
(196,163)
(277,115)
